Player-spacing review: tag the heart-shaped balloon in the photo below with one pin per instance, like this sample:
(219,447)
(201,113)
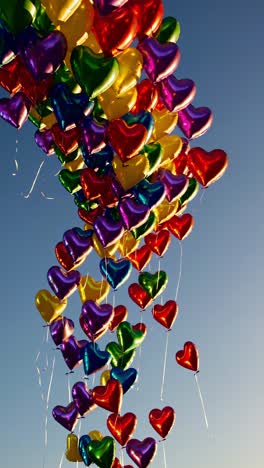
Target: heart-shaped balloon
(66,416)
(122,427)
(49,307)
(133,214)
(83,446)
(15,110)
(153,284)
(61,329)
(115,106)
(67,141)
(107,231)
(154,153)
(94,319)
(175,185)
(165,123)
(147,97)
(9,77)
(102,251)
(119,357)
(149,15)
(165,314)
(158,243)
(110,396)
(63,283)
(115,272)
(95,186)
(166,211)
(90,216)
(128,338)
(130,67)
(78,246)
(72,351)
(142,452)
(146,228)
(145,118)
(150,194)
(207,167)
(72,453)
(180,226)
(126,140)
(92,136)
(162,420)
(107,6)
(132,172)
(176,94)
(82,398)
(191,192)
(160,60)
(194,122)
(172,146)
(139,296)
(94,359)
(44,140)
(70,180)
(92,290)
(127,244)
(100,160)
(102,453)
(120,314)
(169,30)
(188,357)
(141,257)
(127,378)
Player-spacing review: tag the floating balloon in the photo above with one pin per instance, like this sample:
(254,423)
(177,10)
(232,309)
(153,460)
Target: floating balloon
(122,427)
(162,420)
(188,357)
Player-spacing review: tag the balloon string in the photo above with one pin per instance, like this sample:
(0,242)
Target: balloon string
(35,180)
(113,299)
(47,407)
(61,460)
(44,340)
(164,367)
(164,455)
(180,272)
(16,164)
(79,433)
(201,399)
(139,352)
(45,196)
(69,387)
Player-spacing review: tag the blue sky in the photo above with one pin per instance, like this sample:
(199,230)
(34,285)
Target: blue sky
(221,291)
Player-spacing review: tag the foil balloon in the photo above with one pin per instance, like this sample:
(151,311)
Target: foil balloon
(128,338)
(153,284)
(63,284)
(122,427)
(66,416)
(141,257)
(83,445)
(207,167)
(72,351)
(180,226)
(15,110)
(110,396)
(160,60)
(188,357)
(92,290)
(165,314)
(162,420)
(94,319)
(158,243)
(61,329)
(93,358)
(194,122)
(102,453)
(82,398)
(95,435)
(120,314)
(72,453)
(127,378)
(49,307)
(142,452)
(169,30)
(115,272)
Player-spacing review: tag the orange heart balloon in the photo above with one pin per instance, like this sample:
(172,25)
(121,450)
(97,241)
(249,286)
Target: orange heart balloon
(110,396)
(122,427)
(180,226)
(165,314)
(188,357)
(162,420)
(159,242)
(141,257)
(207,167)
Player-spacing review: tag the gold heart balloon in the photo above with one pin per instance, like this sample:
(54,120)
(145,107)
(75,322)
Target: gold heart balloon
(105,376)
(132,172)
(92,43)
(114,106)
(76,164)
(49,307)
(130,68)
(91,290)
(72,449)
(128,244)
(171,145)
(165,122)
(60,11)
(104,251)
(165,210)
(95,435)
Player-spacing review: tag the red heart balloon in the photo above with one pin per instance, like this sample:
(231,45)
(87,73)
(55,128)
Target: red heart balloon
(110,396)
(207,167)
(115,31)
(140,327)
(122,427)
(165,314)
(9,78)
(67,141)
(120,314)
(140,257)
(90,216)
(139,295)
(159,242)
(96,187)
(63,256)
(162,420)
(188,357)
(180,162)
(147,97)
(180,226)
(126,140)
(149,14)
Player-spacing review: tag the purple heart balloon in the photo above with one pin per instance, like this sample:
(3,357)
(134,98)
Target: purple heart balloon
(67,416)
(15,110)
(194,122)
(142,453)
(160,60)
(175,185)
(62,283)
(176,94)
(78,246)
(95,319)
(61,329)
(44,140)
(92,136)
(107,6)
(44,58)
(72,351)
(82,398)
(133,214)
(108,231)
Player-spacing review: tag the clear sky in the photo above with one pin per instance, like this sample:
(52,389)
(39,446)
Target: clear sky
(221,291)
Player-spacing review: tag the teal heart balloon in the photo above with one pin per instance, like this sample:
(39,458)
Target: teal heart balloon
(150,194)
(70,180)
(128,338)
(127,378)
(169,30)
(154,153)
(115,272)
(153,284)
(145,228)
(191,192)
(83,446)
(119,357)
(93,72)
(102,453)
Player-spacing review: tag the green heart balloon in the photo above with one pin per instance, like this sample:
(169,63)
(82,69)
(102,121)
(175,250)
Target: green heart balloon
(98,112)
(128,338)
(70,180)
(145,228)
(119,357)
(36,120)
(102,453)
(154,153)
(153,284)
(169,31)
(18,14)
(191,192)
(65,159)
(94,73)
(44,108)
(42,23)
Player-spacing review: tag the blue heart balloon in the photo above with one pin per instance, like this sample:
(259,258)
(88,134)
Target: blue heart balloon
(144,117)
(115,272)
(93,358)
(101,160)
(150,194)
(83,444)
(127,378)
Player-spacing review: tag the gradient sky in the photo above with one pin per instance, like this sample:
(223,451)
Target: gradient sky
(221,291)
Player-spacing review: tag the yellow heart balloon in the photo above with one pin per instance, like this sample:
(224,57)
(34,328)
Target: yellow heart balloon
(165,210)
(92,43)
(114,106)
(130,68)
(95,435)
(128,244)
(171,145)
(76,164)
(165,122)
(60,10)
(105,376)
(49,120)
(91,290)
(131,172)
(72,449)
(101,250)
(49,307)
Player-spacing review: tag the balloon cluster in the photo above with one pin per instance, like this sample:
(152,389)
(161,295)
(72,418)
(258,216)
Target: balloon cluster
(108,110)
